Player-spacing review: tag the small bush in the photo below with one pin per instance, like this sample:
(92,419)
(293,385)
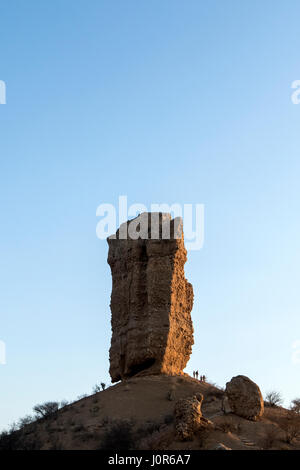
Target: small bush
(25,421)
(216,386)
(290,425)
(94,410)
(169,419)
(158,440)
(46,409)
(227,425)
(118,437)
(55,443)
(214,393)
(78,428)
(8,441)
(202,437)
(270,437)
(80,397)
(147,430)
(273,398)
(16,440)
(88,436)
(295,405)
(105,421)
(63,404)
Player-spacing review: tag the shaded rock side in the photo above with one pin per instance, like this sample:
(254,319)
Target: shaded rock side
(151,301)
(245,398)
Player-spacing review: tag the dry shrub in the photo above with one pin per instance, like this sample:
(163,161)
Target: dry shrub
(17,440)
(227,425)
(295,405)
(55,444)
(119,436)
(147,430)
(214,393)
(202,436)
(169,419)
(46,409)
(158,440)
(271,435)
(290,424)
(273,398)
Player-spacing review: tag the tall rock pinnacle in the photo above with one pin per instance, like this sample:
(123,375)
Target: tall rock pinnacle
(151,301)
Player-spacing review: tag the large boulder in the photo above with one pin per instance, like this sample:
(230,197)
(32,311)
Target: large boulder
(188,417)
(151,300)
(245,398)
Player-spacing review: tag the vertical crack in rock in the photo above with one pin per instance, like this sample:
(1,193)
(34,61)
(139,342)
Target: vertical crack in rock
(151,301)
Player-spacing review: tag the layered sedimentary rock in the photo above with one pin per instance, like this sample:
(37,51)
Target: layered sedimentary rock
(245,398)
(151,301)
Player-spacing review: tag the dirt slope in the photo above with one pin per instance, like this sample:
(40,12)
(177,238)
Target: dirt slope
(146,405)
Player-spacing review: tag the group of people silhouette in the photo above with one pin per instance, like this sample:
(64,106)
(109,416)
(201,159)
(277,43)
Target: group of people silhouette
(196,376)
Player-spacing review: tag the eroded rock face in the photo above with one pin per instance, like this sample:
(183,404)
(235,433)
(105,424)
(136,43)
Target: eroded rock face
(188,416)
(245,398)
(151,301)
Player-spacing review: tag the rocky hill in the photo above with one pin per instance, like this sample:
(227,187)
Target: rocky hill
(142,413)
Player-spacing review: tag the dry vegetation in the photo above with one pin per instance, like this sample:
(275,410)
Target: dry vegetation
(138,414)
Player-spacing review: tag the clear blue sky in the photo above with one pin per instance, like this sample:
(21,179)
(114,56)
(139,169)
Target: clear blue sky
(163,101)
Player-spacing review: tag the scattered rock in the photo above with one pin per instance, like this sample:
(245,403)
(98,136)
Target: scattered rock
(225,406)
(151,301)
(188,417)
(245,398)
(206,423)
(221,446)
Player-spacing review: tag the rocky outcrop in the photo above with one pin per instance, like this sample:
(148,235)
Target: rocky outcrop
(151,301)
(188,417)
(245,398)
